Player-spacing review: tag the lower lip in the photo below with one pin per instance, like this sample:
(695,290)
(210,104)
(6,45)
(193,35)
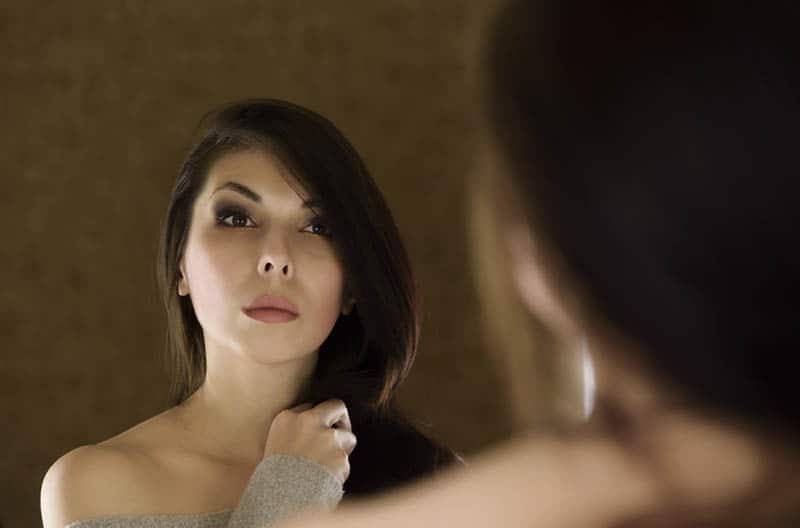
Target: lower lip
(270,315)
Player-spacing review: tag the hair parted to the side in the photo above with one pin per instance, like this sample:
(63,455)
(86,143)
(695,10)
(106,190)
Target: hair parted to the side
(370,351)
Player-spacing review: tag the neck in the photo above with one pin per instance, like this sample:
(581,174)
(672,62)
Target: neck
(231,413)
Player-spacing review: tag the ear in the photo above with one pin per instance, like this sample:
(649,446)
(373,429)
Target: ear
(183,284)
(534,284)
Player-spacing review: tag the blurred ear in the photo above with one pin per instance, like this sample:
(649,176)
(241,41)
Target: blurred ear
(534,283)
(183,284)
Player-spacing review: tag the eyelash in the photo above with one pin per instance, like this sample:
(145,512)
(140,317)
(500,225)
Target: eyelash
(228,211)
(317,221)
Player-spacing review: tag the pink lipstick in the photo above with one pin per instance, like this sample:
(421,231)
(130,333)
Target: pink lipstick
(271,309)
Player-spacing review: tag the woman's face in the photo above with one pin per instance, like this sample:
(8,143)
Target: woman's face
(253,234)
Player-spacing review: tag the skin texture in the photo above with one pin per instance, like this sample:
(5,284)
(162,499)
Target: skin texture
(197,457)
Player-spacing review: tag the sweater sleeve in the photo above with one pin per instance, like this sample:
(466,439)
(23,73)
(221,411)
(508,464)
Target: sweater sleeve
(280,486)
(283,485)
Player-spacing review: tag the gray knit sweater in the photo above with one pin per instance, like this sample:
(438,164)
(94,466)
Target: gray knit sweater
(280,486)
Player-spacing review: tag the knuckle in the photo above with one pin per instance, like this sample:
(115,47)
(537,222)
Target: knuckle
(307,418)
(282,417)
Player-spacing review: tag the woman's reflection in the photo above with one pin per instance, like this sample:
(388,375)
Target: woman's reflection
(292,319)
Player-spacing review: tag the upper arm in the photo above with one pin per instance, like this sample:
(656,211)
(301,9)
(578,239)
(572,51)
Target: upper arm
(89,481)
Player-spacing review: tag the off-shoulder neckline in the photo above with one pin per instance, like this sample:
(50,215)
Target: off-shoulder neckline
(219,513)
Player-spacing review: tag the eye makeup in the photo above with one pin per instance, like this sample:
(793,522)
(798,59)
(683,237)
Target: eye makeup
(231,215)
(319,227)
(237,214)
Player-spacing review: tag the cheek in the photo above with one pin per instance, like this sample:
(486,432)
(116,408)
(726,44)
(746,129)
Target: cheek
(210,275)
(325,284)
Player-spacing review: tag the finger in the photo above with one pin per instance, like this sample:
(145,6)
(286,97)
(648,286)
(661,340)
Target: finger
(343,422)
(332,412)
(301,407)
(346,440)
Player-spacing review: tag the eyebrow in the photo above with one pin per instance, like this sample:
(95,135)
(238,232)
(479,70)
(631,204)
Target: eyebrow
(250,194)
(244,190)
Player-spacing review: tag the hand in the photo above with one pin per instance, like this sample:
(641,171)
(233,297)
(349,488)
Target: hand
(321,433)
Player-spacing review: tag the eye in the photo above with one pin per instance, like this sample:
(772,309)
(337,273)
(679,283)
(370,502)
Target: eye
(238,217)
(317,227)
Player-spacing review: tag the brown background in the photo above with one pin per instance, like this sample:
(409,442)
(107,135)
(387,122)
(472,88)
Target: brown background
(99,100)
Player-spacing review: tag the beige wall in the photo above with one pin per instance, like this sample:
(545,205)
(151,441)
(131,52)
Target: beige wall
(98,105)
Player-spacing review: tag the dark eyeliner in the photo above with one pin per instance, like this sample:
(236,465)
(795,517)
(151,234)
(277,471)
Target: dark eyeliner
(225,210)
(318,220)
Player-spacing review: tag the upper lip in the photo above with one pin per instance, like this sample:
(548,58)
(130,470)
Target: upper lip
(272,301)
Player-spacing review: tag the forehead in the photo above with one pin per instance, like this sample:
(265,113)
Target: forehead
(260,171)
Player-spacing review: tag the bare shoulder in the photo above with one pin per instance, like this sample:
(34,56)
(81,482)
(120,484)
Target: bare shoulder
(115,477)
(91,481)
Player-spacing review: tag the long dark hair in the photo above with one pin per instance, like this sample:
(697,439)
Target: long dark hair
(369,352)
(656,146)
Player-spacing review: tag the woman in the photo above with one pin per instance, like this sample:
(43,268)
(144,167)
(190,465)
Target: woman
(646,181)
(291,315)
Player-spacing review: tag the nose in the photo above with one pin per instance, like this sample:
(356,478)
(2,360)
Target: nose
(275,260)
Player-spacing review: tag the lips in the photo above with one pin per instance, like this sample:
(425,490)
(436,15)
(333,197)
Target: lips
(271,309)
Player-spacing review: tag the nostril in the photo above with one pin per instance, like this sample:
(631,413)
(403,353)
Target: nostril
(269,266)
(286,270)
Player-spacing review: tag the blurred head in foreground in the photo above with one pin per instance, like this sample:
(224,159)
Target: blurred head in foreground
(652,160)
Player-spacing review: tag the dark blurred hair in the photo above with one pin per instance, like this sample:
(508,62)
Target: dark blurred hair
(369,352)
(656,145)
